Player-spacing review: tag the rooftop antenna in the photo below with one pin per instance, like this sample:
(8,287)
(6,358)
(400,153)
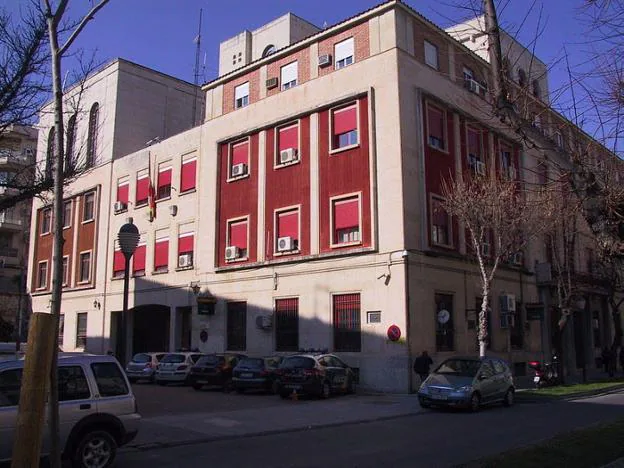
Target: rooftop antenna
(196,71)
(324,24)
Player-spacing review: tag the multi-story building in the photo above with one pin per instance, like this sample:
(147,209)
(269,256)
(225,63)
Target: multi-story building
(302,213)
(17,156)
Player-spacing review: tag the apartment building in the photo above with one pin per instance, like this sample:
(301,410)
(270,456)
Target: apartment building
(302,213)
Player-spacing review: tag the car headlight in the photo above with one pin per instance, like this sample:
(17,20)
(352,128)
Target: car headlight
(464,389)
(424,389)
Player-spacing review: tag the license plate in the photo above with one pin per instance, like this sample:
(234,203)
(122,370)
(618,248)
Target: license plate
(246,375)
(202,382)
(536,379)
(439,397)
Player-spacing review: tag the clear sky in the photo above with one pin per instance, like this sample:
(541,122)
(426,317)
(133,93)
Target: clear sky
(159,33)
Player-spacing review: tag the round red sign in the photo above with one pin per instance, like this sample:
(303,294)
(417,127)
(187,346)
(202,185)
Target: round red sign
(394,333)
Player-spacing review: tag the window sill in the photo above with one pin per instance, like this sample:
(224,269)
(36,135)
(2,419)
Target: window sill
(83,283)
(343,148)
(240,107)
(234,179)
(237,260)
(443,246)
(344,244)
(117,278)
(45,288)
(140,204)
(45,233)
(289,252)
(163,199)
(288,164)
(66,227)
(186,192)
(433,67)
(125,210)
(87,221)
(138,274)
(185,268)
(160,272)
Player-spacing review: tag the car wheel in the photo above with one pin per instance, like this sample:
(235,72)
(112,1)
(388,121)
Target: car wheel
(284,395)
(197,386)
(325,391)
(509,398)
(228,386)
(96,449)
(275,387)
(475,402)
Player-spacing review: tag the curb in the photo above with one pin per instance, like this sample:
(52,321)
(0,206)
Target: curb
(575,396)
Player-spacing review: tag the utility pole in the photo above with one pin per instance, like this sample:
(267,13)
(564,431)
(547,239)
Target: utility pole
(196,71)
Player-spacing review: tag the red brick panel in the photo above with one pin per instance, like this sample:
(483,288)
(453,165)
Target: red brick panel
(254,89)
(423,32)
(68,239)
(303,69)
(361,45)
(86,236)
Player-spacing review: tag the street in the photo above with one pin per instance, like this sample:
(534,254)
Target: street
(423,438)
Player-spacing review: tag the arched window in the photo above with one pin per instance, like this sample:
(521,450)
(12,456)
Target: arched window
(522,78)
(71,141)
(49,163)
(537,92)
(92,136)
(268,50)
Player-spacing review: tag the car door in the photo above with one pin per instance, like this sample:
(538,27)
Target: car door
(500,379)
(487,384)
(338,380)
(113,394)
(10,382)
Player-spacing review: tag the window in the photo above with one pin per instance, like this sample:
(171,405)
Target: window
(138,260)
(109,379)
(85,267)
(51,152)
(507,163)
(72,384)
(467,74)
(65,270)
(188,174)
(287,324)
(268,50)
(559,139)
(161,255)
(81,330)
(123,189)
(92,135)
(164,182)
(142,188)
(440,223)
(287,231)
(287,144)
(239,159)
(46,221)
(236,326)
(70,162)
(343,53)
(67,214)
(42,275)
(344,127)
(345,217)
(88,212)
(237,236)
(347,330)
(444,322)
(185,248)
(436,119)
(288,75)
(537,92)
(522,77)
(10,384)
(61,330)
(241,95)
(119,264)
(431,55)
(475,150)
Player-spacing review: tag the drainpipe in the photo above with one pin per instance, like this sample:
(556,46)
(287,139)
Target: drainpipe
(408,341)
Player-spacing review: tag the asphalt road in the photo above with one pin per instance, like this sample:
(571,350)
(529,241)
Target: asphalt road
(429,439)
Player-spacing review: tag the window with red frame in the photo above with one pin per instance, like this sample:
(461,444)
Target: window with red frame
(287,324)
(346,323)
(239,159)
(287,144)
(42,275)
(161,255)
(346,220)
(164,182)
(435,127)
(119,264)
(142,189)
(440,224)
(237,236)
(474,150)
(344,127)
(287,231)
(188,174)
(123,188)
(185,248)
(138,261)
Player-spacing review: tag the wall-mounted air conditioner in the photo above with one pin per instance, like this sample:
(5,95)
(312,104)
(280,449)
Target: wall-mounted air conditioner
(185,260)
(324,60)
(288,155)
(272,83)
(120,206)
(285,244)
(239,169)
(232,252)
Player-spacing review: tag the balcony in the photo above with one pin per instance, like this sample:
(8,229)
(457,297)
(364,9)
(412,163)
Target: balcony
(9,257)
(10,222)
(14,158)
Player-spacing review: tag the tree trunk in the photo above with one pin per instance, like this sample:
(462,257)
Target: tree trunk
(483,318)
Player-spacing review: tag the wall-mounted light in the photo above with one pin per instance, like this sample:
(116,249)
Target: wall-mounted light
(97,304)
(173,210)
(195,287)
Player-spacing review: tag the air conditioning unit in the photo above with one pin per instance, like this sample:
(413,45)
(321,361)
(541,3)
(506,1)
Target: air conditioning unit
(232,252)
(120,206)
(239,169)
(185,260)
(284,244)
(264,322)
(479,167)
(272,83)
(473,86)
(324,60)
(288,155)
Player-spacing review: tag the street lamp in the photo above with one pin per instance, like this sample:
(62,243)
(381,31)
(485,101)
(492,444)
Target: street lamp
(128,239)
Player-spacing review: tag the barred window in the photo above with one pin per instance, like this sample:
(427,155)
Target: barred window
(236,326)
(287,324)
(347,325)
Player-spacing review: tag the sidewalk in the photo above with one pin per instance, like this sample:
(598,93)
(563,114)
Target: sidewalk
(164,431)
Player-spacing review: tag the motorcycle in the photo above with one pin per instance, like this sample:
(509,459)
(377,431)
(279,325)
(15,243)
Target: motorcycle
(546,374)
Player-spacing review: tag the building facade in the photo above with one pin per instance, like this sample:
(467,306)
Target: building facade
(302,213)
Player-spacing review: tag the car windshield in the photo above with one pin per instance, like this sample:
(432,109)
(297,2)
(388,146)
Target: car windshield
(463,367)
(212,360)
(297,362)
(141,358)
(251,362)
(174,358)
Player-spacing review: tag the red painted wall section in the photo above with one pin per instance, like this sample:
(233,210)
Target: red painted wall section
(237,199)
(68,238)
(344,172)
(254,89)
(288,186)
(85,239)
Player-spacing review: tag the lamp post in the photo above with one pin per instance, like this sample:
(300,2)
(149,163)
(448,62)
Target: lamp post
(128,239)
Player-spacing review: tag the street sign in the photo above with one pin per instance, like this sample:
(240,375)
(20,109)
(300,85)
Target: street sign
(394,333)
(534,311)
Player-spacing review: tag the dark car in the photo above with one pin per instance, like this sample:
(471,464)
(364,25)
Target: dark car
(319,375)
(256,373)
(468,383)
(214,369)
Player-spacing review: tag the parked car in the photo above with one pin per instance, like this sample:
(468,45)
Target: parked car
(175,367)
(215,369)
(98,412)
(142,366)
(468,383)
(256,374)
(319,375)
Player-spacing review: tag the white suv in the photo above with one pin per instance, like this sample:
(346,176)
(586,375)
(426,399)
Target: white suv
(97,408)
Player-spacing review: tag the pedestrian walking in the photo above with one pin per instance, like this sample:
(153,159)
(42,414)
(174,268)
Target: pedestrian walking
(422,364)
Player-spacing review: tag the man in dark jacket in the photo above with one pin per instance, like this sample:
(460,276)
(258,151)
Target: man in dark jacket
(422,364)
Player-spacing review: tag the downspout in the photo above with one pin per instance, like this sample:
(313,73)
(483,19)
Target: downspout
(408,324)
